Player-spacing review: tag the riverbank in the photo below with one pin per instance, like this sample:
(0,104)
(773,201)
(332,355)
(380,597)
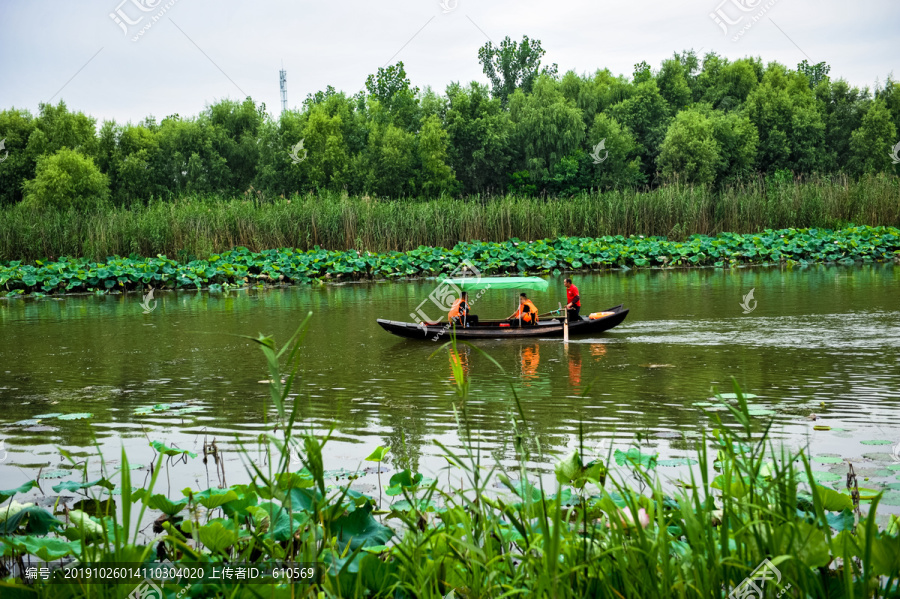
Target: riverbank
(198,227)
(736,512)
(241,267)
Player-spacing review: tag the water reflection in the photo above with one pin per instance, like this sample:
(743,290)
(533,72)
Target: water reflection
(530,357)
(824,334)
(573,352)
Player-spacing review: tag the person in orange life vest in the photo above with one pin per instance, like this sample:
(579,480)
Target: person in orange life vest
(573,300)
(459,312)
(527,311)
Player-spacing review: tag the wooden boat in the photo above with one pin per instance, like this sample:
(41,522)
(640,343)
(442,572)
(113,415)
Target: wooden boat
(498,329)
(491,329)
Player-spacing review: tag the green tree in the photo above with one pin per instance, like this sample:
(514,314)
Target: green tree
(392,90)
(815,73)
(57,128)
(546,128)
(16,126)
(513,66)
(436,177)
(738,141)
(672,81)
(647,115)
(690,152)
(872,143)
(621,167)
(791,131)
(389,163)
(890,95)
(235,130)
(842,108)
(725,85)
(67,179)
(479,133)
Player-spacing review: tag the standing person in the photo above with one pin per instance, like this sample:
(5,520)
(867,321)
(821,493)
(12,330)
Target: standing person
(527,311)
(573,300)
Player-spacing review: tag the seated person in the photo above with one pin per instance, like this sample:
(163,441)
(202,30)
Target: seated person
(527,311)
(459,312)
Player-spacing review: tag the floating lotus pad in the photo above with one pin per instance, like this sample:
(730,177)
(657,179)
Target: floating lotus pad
(759,412)
(77,416)
(677,462)
(56,473)
(876,442)
(50,415)
(890,498)
(826,477)
(825,459)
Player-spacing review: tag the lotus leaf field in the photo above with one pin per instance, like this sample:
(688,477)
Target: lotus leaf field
(241,267)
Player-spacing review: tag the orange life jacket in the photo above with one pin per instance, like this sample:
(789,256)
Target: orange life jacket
(531,313)
(458,307)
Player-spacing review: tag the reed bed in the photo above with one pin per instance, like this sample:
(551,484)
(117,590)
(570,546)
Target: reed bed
(200,226)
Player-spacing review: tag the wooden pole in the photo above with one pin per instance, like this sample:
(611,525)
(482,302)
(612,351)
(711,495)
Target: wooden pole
(565,326)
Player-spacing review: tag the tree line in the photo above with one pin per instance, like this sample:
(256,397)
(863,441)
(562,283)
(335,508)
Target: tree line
(530,131)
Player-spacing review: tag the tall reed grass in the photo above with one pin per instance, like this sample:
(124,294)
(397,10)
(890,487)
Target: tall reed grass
(198,226)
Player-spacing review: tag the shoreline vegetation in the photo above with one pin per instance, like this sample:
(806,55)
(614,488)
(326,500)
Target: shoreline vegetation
(742,515)
(241,267)
(200,226)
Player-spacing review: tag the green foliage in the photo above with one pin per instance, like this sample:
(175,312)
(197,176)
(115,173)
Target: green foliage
(871,145)
(67,179)
(513,66)
(690,152)
(791,130)
(241,267)
(529,132)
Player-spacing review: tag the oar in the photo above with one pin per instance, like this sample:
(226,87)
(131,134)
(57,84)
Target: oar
(565,325)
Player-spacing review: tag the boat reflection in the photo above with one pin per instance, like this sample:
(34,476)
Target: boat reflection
(598,351)
(573,353)
(531,358)
(459,364)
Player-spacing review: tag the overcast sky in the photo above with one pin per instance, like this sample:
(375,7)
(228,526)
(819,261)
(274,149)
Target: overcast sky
(200,51)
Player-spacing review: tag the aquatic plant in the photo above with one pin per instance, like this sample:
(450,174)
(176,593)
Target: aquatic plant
(241,267)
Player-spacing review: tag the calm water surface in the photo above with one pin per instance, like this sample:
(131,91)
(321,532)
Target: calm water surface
(822,340)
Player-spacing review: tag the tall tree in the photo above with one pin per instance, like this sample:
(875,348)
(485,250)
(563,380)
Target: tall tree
(513,66)
(871,144)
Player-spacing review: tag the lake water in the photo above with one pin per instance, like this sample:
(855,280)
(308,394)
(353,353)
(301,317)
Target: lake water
(822,342)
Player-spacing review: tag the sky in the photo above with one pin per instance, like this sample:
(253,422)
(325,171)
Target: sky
(112,60)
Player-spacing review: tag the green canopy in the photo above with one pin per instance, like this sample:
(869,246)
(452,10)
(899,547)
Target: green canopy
(469,283)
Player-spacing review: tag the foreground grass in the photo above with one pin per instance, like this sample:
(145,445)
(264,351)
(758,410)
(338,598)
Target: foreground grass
(200,227)
(241,267)
(602,531)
